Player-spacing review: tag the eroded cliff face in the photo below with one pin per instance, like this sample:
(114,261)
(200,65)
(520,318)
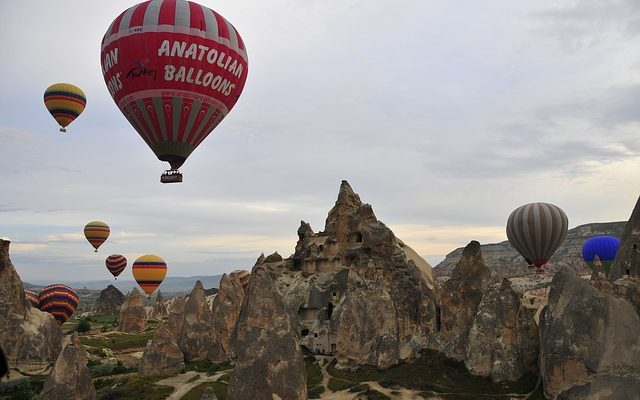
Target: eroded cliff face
(589,337)
(269,362)
(30,338)
(357,291)
(225,312)
(162,356)
(133,315)
(109,301)
(627,261)
(69,379)
(196,336)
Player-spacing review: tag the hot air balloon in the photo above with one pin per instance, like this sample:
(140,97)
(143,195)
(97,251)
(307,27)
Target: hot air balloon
(605,247)
(32,297)
(175,69)
(59,300)
(149,271)
(242,275)
(96,233)
(116,264)
(65,102)
(536,230)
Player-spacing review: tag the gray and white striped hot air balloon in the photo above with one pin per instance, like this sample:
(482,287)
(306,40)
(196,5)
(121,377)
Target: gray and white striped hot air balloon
(536,230)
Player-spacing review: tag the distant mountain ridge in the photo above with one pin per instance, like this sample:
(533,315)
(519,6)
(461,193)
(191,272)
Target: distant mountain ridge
(171,284)
(506,261)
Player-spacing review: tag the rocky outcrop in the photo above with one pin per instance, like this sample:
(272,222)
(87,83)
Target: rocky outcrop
(627,261)
(503,342)
(196,335)
(159,310)
(133,316)
(225,312)
(506,261)
(162,356)
(69,379)
(30,338)
(109,301)
(176,317)
(208,394)
(589,340)
(269,362)
(359,292)
(459,300)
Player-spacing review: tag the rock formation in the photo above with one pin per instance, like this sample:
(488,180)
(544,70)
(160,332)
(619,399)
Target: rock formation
(69,379)
(196,335)
(588,339)
(133,316)
(176,317)
(162,356)
(109,301)
(208,394)
(269,363)
(506,261)
(225,312)
(359,292)
(503,342)
(30,338)
(159,310)
(459,300)
(627,261)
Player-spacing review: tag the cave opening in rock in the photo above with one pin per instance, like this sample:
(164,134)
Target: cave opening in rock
(304,333)
(358,237)
(437,319)
(329,310)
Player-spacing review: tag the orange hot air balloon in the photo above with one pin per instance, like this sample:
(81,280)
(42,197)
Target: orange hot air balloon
(96,233)
(149,271)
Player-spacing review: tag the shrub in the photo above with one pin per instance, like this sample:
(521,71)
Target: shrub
(83,326)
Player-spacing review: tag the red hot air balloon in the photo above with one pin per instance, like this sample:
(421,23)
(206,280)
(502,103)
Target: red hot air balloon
(116,263)
(59,300)
(175,69)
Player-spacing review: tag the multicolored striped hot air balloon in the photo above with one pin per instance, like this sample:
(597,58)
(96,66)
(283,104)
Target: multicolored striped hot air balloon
(65,102)
(96,233)
(242,275)
(32,297)
(175,69)
(605,247)
(59,300)
(149,271)
(116,264)
(536,230)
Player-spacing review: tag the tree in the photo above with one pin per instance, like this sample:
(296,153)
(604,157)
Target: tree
(84,326)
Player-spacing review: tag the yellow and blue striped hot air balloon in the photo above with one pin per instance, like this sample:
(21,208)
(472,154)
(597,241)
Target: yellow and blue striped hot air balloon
(65,103)
(59,300)
(96,233)
(149,271)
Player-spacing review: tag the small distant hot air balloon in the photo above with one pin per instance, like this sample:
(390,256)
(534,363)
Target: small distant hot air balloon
(59,300)
(242,275)
(149,271)
(116,263)
(96,233)
(605,247)
(65,102)
(536,230)
(32,297)
(175,69)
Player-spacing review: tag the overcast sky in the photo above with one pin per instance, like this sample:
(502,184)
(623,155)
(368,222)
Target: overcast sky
(444,115)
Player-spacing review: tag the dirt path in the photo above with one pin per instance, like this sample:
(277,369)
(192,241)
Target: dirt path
(182,384)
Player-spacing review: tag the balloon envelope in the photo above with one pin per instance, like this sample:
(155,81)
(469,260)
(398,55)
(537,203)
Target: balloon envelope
(59,300)
(32,297)
(116,263)
(65,102)
(149,271)
(243,275)
(175,69)
(536,230)
(605,247)
(96,233)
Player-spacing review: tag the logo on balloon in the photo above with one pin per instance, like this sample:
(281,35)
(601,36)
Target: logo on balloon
(141,69)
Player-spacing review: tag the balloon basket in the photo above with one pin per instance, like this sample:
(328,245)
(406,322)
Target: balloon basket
(62,130)
(171,176)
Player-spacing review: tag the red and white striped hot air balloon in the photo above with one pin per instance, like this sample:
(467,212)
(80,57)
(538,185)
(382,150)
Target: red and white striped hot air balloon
(175,69)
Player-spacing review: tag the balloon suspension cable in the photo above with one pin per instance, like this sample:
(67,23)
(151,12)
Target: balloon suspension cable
(171,176)
(63,129)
